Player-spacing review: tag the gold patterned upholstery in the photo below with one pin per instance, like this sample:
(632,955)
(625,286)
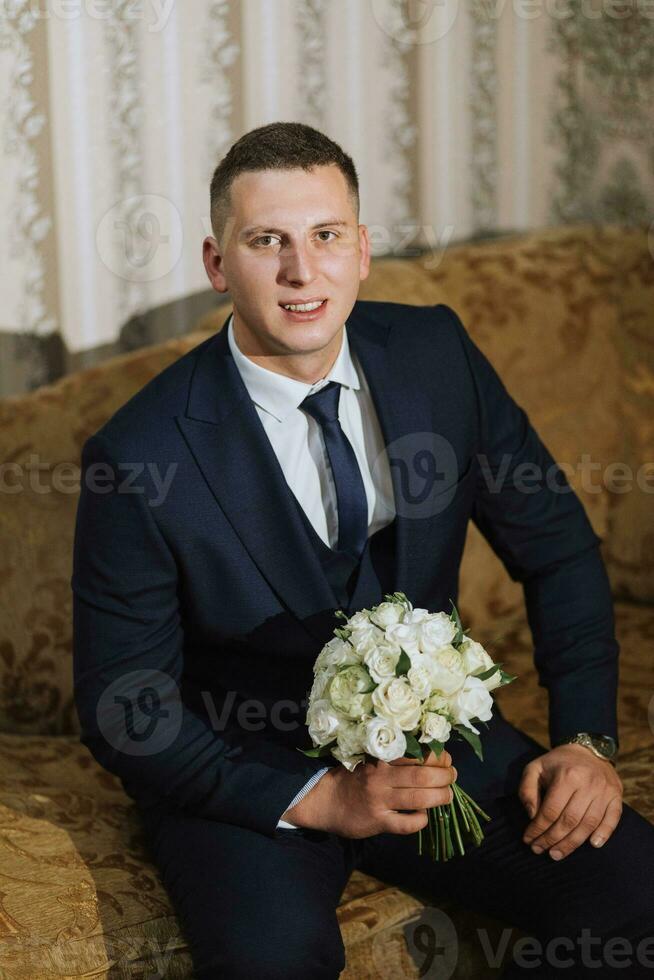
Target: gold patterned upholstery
(565,316)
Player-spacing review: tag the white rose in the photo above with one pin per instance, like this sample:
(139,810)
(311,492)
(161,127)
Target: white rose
(349,761)
(320,682)
(474,656)
(336,653)
(405,635)
(477,660)
(437,632)
(437,703)
(361,618)
(387,614)
(322,721)
(421,679)
(382,660)
(472,701)
(495,680)
(350,738)
(434,726)
(384,739)
(349,691)
(366,638)
(395,700)
(418,615)
(448,671)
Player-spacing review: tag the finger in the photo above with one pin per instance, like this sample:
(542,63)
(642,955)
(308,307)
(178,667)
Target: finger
(609,822)
(405,823)
(556,797)
(419,798)
(529,791)
(571,841)
(568,821)
(444,759)
(404,777)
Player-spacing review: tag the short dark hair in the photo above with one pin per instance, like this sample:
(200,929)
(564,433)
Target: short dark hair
(276,146)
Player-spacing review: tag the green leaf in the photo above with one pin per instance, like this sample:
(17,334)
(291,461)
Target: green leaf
(403,665)
(473,739)
(413,747)
(436,747)
(487,673)
(454,616)
(372,685)
(318,750)
(506,678)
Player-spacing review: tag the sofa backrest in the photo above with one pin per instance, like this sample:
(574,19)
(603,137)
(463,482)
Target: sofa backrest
(41,438)
(563,314)
(566,316)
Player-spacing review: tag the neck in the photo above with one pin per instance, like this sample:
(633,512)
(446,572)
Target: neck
(308,367)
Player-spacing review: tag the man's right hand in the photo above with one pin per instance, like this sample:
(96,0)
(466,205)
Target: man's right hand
(367,800)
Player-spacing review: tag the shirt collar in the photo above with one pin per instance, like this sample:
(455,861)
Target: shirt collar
(280,395)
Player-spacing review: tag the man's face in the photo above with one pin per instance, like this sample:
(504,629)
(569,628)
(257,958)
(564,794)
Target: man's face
(292,237)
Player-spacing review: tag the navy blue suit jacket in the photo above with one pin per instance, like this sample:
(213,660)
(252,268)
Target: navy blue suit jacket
(199,608)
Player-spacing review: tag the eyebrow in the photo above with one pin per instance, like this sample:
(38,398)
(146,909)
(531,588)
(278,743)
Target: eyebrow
(251,229)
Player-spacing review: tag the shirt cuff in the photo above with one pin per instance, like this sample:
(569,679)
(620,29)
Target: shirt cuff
(300,796)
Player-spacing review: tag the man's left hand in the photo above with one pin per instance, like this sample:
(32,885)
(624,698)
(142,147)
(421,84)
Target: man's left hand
(582,796)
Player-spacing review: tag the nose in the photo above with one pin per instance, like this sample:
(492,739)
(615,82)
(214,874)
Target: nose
(297,265)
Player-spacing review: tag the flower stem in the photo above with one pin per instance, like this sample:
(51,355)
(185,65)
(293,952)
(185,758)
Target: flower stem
(457,820)
(471,802)
(443,833)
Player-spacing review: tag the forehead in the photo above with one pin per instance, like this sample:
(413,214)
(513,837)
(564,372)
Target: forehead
(271,195)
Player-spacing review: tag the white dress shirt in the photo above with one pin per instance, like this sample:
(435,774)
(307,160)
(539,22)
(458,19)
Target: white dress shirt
(297,440)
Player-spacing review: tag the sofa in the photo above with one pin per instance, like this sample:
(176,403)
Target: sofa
(565,315)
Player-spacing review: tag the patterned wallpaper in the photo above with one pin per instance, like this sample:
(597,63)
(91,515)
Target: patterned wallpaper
(465,119)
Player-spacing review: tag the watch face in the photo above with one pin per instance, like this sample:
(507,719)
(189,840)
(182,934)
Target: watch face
(604,744)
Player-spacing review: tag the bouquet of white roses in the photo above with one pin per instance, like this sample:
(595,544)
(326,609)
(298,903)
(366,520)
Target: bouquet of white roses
(397,681)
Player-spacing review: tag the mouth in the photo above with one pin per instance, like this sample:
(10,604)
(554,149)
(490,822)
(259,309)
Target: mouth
(309,309)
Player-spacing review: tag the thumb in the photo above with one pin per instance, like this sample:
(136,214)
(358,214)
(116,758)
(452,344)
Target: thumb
(529,791)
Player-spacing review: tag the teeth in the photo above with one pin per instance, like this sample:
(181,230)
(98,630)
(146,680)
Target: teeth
(303,307)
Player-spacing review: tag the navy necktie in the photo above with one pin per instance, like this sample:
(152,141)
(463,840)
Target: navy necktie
(350,491)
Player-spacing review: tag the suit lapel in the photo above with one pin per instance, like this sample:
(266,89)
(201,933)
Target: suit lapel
(231,448)
(403,409)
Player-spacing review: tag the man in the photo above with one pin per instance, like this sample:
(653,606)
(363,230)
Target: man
(290,443)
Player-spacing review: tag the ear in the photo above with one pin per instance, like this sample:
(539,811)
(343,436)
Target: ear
(213,264)
(364,249)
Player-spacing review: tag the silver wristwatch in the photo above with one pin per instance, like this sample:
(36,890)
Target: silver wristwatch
(602,746)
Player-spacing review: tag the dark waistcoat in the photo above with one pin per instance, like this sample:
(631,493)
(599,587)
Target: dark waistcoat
(356,584)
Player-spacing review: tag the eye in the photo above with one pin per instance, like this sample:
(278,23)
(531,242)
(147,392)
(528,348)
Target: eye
(326,232)
(262,238)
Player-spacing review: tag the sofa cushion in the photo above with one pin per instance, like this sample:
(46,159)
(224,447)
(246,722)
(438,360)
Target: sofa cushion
(78,895)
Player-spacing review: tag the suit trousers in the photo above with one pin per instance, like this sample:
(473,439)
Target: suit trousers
(250,905)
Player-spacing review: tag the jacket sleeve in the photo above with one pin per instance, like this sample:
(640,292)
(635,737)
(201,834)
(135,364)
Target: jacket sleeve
(128,660)
(538,527)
